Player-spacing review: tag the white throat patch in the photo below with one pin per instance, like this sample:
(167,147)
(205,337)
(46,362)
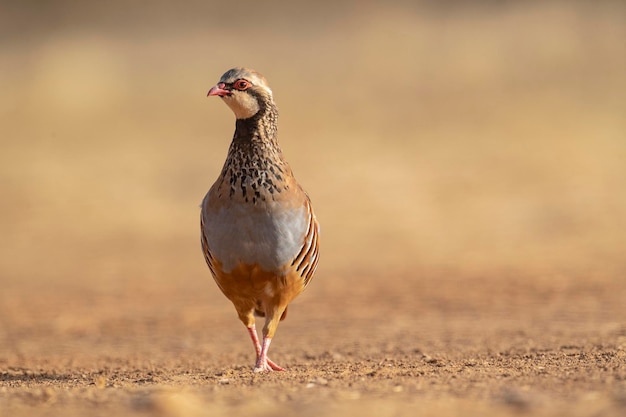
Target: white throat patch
(242,104)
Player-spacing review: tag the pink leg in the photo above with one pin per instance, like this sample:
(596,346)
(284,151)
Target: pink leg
(263,363)
(255,339)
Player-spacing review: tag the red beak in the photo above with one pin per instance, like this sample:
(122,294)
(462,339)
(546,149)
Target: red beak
(218,90)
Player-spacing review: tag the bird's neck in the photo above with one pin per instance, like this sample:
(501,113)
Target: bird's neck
(257,135)
(255,147)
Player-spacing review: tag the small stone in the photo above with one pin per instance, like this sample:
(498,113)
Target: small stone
(321,381)
(100,382)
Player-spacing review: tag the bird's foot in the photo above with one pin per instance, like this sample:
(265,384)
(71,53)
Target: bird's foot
(266,365)
(263,363)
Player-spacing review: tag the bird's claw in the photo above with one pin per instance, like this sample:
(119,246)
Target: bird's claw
(267,365)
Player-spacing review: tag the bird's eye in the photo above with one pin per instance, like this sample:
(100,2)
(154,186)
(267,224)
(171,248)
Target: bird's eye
(242,84)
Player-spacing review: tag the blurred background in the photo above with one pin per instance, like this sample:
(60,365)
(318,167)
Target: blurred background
(474,136)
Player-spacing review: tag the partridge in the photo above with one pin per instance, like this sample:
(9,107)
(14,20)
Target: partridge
(260,237)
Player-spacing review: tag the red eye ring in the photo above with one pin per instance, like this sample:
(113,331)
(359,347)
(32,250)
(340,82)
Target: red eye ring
(241,84)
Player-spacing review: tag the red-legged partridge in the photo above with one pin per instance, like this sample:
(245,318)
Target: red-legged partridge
(260,236)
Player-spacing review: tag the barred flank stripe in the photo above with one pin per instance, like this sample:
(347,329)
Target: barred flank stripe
(307,240)
(205,247)
(307,258)
(308,271)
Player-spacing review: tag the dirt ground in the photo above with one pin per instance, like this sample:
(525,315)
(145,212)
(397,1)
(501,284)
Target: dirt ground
(402,343)
(465,160)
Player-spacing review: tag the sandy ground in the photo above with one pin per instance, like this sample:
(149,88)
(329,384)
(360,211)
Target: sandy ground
(466,163)
(442,344)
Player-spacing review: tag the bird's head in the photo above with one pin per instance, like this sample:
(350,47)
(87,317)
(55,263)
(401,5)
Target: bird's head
(244,90)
